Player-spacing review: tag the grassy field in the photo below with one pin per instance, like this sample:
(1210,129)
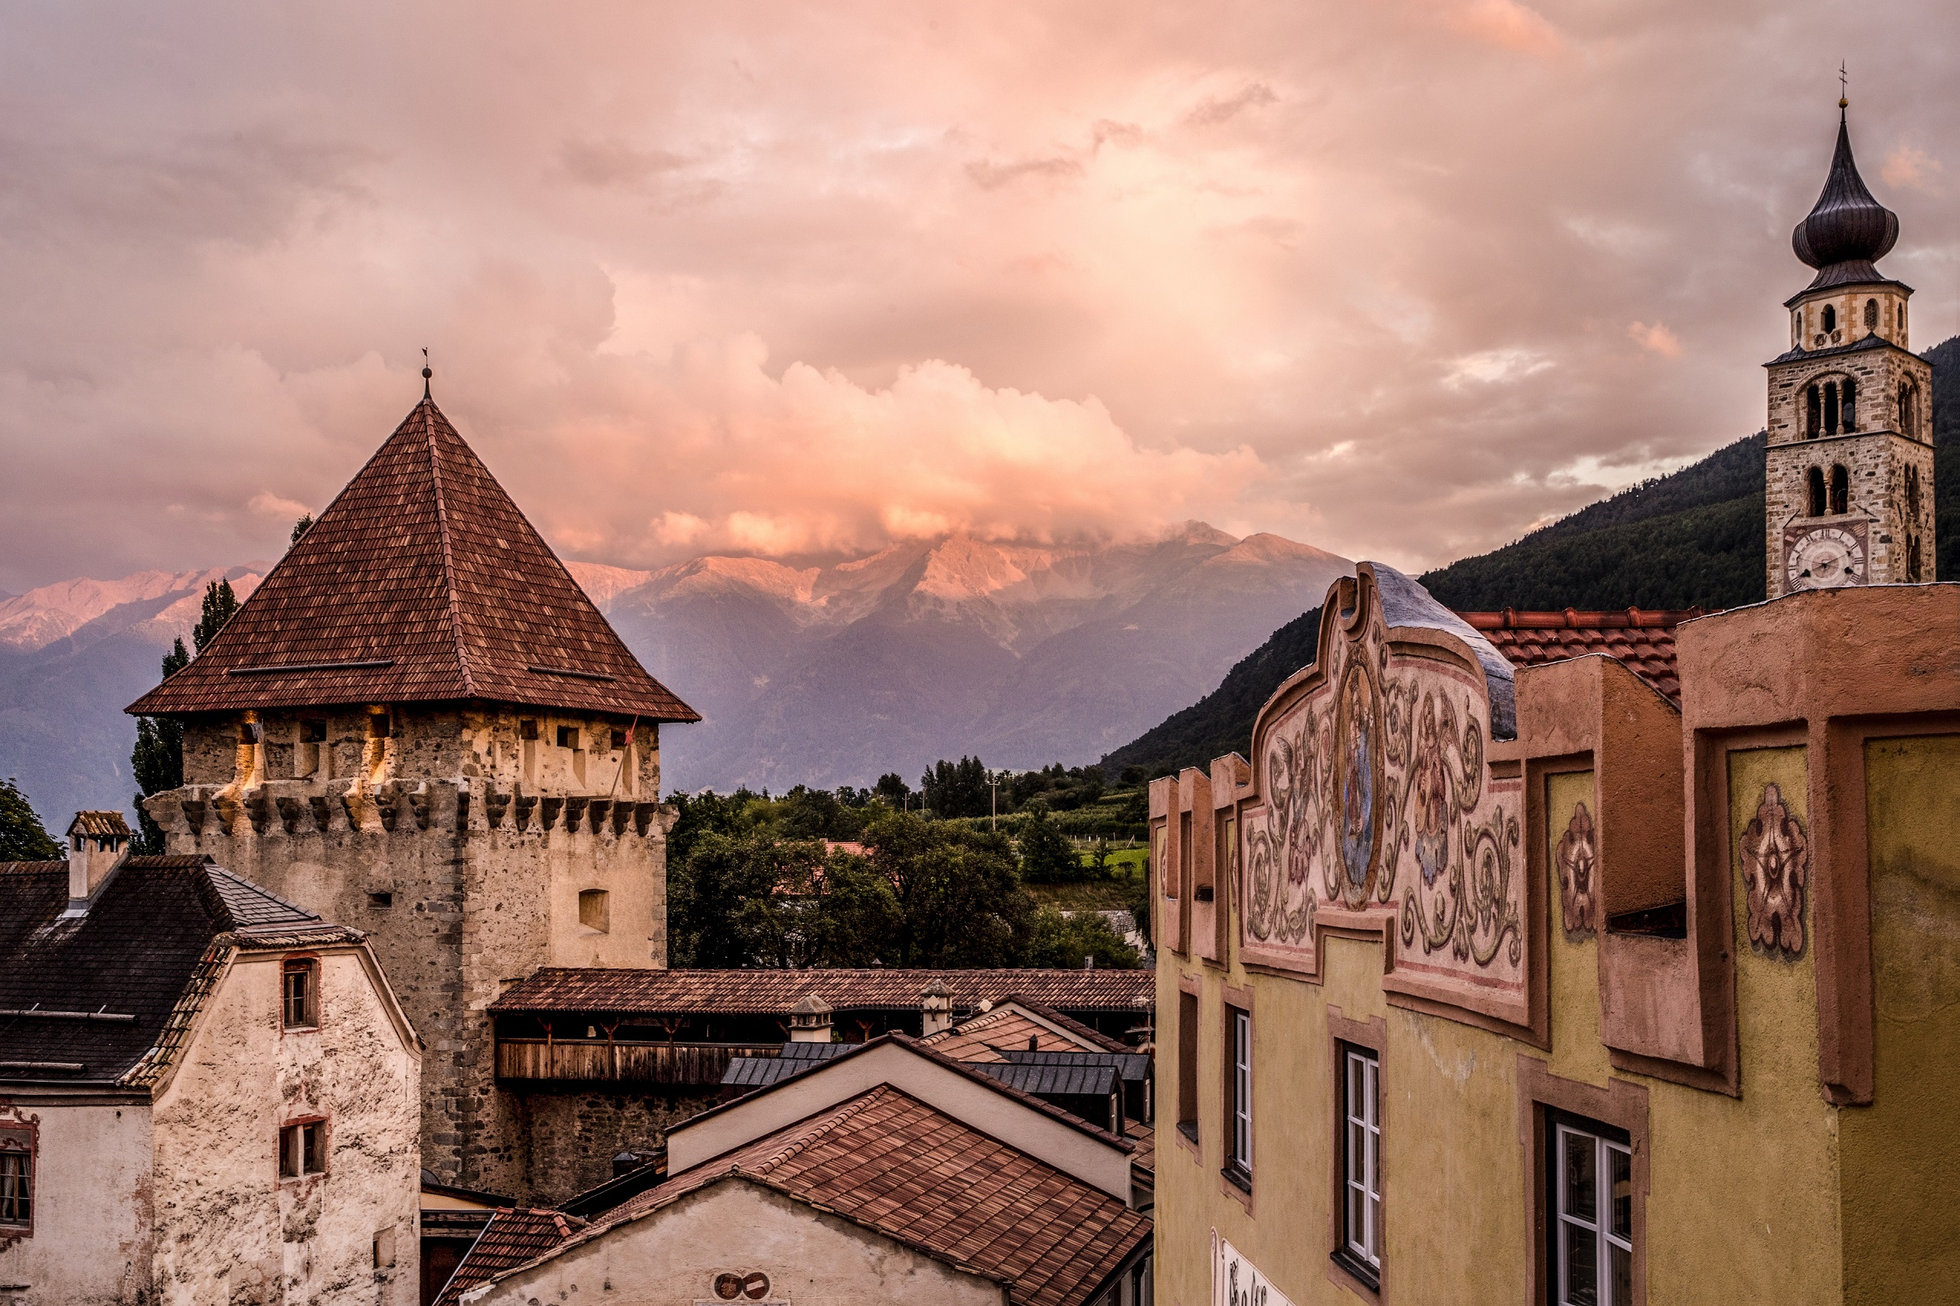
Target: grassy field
(1113,894)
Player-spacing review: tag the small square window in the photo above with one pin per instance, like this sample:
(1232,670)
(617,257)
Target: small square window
(313,732)
(378,725)
(568,736)
(381,901)
(303,1149)
(593,912)
(619,739)
(299,1004)
(527,729)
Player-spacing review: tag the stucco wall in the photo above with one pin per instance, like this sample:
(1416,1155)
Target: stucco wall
(91,1240)
(1744,1201)
(673,1257)
(228,1229)
(1902,1222)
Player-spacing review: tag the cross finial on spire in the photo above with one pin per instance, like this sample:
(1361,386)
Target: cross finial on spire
(426,373)
(1844,88)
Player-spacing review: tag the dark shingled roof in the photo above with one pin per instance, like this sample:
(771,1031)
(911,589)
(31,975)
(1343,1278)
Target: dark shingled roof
(1133,1067)
(1048,1079)
(774,992)
(751,1071)
(1642,640)
(99,998)
(420,582)
(511,1238)
(889,1162)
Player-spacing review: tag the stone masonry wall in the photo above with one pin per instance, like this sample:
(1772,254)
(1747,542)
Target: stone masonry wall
(465,876)
(566,1139)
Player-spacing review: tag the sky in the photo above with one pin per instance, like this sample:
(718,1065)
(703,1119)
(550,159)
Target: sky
(1400,279)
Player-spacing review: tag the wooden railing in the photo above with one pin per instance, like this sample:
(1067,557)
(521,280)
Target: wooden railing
(604,1061)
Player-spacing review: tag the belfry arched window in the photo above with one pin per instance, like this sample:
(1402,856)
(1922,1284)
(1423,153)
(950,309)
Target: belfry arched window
(1912,492)
(1848,400)
(1833,410)
(1871,315)
(1816,504)
(1908,410)
(1813,412)
(1830,318)
(1840,491)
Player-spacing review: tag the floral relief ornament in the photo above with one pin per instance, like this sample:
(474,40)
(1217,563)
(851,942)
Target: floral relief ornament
(1775,869)
(1577,863)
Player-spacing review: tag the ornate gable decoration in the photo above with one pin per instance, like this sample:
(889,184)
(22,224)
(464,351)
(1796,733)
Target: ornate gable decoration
(1373,806)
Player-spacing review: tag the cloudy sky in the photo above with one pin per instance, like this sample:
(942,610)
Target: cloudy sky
(1398,278)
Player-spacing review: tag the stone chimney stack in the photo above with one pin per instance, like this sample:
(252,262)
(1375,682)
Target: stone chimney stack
(97,843)
(936,1009)
(809,1020)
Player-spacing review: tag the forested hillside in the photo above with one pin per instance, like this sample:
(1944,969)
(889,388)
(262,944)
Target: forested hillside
(1693,538)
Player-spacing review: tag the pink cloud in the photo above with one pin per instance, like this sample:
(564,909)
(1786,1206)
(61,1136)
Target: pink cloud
(1655,339)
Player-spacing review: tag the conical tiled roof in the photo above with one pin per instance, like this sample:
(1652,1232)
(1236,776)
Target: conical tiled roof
(420,582)
(1847,230)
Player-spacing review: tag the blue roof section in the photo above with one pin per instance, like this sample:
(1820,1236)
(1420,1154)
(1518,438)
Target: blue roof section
(1409,605)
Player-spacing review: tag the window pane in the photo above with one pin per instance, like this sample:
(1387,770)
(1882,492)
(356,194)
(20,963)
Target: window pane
(1355,1230)
(1375,1229)
(1620,1163)
(1581,1265)
(1357,1153)
(1622,1261)
(1581,1176)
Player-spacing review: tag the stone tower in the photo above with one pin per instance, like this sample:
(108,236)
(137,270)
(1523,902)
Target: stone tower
(420,725)
(1850,458)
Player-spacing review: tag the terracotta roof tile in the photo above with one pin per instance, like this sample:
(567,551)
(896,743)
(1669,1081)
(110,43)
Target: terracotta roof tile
(510,1239)
(889,1161)
(1643,640)
(774,992)
(420,582)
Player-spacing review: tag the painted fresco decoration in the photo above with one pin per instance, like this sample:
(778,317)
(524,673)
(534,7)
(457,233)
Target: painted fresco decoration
(1775,871)
(1576,857)
(1236,1281)
(1376,799)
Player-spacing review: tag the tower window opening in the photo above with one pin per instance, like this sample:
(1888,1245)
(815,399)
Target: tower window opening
(1871,315)
(378,727)
(568,736)
(1813,413)
(1830,317)
(1912,491)
(1849,394)
(1908,410)
(1832,409)
(1840,491)
(1816,504)
(527,729)
(313,732)
(1913,560)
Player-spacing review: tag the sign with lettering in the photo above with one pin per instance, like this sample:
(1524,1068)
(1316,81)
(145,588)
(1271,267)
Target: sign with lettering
(1236,1281)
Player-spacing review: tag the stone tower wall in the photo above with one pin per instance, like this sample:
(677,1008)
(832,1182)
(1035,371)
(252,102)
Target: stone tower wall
(464,878)
(1876,456)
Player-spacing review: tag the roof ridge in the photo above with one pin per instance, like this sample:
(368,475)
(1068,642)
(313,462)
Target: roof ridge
(429,413)
(213,869)
(847,1111)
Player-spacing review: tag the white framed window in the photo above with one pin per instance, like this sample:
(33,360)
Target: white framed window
(1592,1234)
(1239,1034)
(1361,1158)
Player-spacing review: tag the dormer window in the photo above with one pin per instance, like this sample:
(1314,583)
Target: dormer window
(299,1004)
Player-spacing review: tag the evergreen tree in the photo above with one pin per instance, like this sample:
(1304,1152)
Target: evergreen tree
(22,836)
(157,761)
(957,788)
(301,527)
(1047,857)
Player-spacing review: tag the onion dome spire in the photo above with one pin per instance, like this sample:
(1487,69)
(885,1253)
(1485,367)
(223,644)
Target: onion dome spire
(1847,230)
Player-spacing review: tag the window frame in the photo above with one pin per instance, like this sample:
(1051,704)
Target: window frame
(1362,1254)
(20,1136)
(307,964)
(1619,1105)
(1189,1016)
(300,1130)
(1604,1140)
(1236,1118)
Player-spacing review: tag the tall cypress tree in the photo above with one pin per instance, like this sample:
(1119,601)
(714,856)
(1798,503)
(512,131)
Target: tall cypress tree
(158,758)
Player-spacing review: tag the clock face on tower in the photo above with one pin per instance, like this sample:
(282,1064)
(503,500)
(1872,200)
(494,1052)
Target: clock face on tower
(1819,557)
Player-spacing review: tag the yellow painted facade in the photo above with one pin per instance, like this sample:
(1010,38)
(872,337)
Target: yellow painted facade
(1767,1169)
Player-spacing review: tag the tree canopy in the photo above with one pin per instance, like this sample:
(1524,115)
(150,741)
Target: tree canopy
(22,836)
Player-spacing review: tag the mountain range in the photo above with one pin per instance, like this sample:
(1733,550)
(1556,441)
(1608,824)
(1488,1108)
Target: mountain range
(825,674)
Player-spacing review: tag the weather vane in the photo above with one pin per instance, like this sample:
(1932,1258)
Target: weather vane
(426,373)
(1844,89)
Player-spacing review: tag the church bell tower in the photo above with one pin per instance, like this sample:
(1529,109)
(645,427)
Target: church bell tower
(1849,484)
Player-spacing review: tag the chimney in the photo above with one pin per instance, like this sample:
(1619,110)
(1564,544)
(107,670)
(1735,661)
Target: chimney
(97,844)
(809,1020)
(935,1008)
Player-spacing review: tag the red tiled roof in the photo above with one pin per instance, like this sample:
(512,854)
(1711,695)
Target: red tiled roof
(774,992)
(980,1038)
(421,581)
(1642,639)
(890,1162)
(512,1238)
